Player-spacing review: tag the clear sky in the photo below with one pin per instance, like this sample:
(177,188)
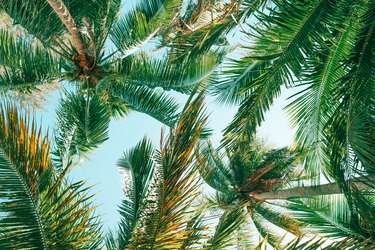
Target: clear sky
(101,171)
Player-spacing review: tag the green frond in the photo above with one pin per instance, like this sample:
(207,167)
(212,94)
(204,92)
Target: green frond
(197,231)
(358,92)
(138,164)
(39,209)
(225,231)
(165,223)
(37,17)
(320,216)
(193,44)
(213,170)
(82,126)
(134,29)
(154,103)
(23,64)
(142,23)
(279,51)
(313,106)
(266,229)
(280,218)
(184,76)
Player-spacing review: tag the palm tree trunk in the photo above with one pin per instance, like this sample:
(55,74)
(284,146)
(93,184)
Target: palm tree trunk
(66,18)
(325,189)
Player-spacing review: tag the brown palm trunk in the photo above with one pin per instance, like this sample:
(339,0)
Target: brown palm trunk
(66,18)
(325,189)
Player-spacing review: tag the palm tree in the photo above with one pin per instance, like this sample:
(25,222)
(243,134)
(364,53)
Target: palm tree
(99,53)
(259,183)
(39,208)
(324,47)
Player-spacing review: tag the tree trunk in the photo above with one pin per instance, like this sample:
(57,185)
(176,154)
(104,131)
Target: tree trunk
(66,18)
(325,189)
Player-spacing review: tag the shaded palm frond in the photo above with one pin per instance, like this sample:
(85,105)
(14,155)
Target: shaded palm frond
(143,99)
(280,218)
(82,126)
(226,229)
(141,24)
(24,65)
(183,76)
(213,170)
(37,17)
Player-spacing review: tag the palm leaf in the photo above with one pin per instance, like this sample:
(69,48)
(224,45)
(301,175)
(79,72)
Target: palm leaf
(141,24)
(82,126)
(38,208)
(184,76)
(229,222)
(24,64)
(138,161)
(280,52)
(165,222)
(155,103)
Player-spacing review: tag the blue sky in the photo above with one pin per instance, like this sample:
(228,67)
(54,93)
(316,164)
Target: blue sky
(101,171)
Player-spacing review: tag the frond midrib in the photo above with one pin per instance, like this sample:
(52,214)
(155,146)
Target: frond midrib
(30,198)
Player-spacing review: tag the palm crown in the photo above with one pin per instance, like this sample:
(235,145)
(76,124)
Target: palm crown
(90,46)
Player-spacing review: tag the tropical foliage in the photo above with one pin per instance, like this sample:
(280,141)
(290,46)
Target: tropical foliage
(99,52)
(188,194)
(39,209)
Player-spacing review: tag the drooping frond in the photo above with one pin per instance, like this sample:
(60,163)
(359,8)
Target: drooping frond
(24,64)
(278,54)
(225,231)
(82,126)
(184,76)
(212,168)
(280,218)
(37,17)
(141,24)
(156,104)
(39,209)
(139,166)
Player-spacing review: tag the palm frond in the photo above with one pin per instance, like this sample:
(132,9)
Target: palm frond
(138,161)
(36,17)
(281,45)
(141,24)
(314,105)
(226,229)
(38,208)
(82,126)
(165,223)
(156,104)
(213,170)
(320,215)
(23,64)
(280,218)
(184,76)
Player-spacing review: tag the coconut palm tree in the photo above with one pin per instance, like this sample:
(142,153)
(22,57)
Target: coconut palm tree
(265,186)
(326,48)
(39,208)
(100,53)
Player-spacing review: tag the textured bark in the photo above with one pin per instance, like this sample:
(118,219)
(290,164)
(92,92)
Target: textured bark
(325,189)
(66,18)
